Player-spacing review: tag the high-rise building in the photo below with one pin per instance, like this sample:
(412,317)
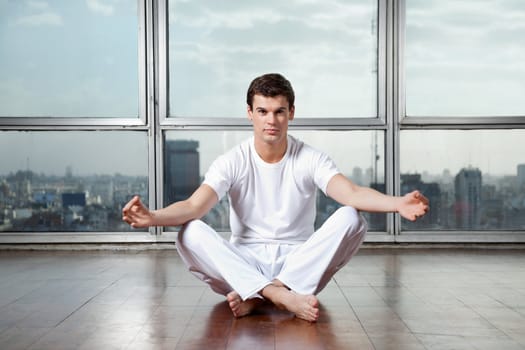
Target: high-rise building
(521,175)
(181,169)
(468,198)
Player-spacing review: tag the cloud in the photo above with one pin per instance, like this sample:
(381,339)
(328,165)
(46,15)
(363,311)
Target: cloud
(40,19)
(37,5)
(38,14)
(100,7)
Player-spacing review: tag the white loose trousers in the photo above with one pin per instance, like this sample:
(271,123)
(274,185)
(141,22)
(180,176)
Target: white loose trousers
(304,267)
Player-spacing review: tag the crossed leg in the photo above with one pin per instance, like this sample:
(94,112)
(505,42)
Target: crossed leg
(230,271)
(242,308)
(305,307)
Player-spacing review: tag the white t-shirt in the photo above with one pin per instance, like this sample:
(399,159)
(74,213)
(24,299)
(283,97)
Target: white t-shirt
(271,202)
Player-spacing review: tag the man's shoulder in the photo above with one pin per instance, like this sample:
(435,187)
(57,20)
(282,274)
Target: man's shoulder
(237,153)
(301,148)
(241,149)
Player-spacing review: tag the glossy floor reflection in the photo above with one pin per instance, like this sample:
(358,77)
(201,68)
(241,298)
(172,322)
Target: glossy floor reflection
(384,299)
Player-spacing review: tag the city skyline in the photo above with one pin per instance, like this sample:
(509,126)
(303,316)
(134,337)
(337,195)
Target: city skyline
(33,202)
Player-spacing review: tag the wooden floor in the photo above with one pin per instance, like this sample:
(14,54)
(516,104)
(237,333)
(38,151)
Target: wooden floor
(384,299)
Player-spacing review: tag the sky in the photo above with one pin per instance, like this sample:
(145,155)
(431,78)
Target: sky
(465,58)
(327,49)
(80,58)
(69,58)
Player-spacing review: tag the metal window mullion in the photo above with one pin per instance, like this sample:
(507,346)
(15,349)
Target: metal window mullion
(151,120)
(162,97)
(142,59)
(382,60)
(163,60)
(389,91)
(87,122)
(398,97)
(464,123)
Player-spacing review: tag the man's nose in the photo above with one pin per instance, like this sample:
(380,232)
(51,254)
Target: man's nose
(271,118)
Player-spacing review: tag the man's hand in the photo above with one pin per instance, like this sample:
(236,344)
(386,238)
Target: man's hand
(136,214)
(413,205)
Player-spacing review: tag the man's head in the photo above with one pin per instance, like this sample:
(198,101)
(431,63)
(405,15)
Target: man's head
(270,108)
(270,85)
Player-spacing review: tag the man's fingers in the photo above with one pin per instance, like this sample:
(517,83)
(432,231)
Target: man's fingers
(130,211)
(420,197)
(131,203)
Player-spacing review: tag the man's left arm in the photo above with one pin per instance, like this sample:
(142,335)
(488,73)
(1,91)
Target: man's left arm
(410,206)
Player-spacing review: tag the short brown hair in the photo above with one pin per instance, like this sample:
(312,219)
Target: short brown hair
(270,85)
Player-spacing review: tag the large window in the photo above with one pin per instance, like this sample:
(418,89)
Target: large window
(480,185)
(69,59)
(327,49)
(188,155)
(464,70)
(70,181)
(102,100)
(465,58)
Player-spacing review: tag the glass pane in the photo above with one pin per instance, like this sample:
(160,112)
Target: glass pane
(475,180)
(465,58)
(69,58)
(70,181)
(188,155)
(327,50)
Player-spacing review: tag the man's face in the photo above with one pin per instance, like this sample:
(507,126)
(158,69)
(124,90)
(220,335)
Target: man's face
(270,117)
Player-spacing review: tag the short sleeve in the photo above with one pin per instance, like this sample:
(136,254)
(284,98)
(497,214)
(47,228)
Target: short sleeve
(219,176)
(324,169)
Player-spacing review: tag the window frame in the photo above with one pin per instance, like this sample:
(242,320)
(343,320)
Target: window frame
(377,121)
(404,122)
(23,122)
(439,122)
(142,122)
(153,119)
(381,122)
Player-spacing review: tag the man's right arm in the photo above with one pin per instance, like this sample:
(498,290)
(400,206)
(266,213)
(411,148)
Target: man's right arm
(178,213)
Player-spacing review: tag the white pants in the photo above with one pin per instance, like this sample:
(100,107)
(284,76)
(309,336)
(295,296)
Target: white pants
(305,268)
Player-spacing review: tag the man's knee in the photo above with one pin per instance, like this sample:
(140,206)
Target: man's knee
(352,219)
(193,232)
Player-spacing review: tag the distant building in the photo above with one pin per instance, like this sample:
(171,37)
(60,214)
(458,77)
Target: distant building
(181,169)
(376,221)
(44,198)
(325,206)
(492,215)
(77,199)
(468,199)
(521,175)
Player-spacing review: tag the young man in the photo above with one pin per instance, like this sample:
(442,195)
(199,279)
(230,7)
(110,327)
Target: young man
(271,180)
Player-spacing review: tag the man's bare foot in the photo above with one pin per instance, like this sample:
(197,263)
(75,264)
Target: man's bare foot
(239,307)
(305,307)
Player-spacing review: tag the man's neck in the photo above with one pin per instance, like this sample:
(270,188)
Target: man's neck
(270,152)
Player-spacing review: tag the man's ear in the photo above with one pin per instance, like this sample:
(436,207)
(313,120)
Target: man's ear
(292,113)
(249,112)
